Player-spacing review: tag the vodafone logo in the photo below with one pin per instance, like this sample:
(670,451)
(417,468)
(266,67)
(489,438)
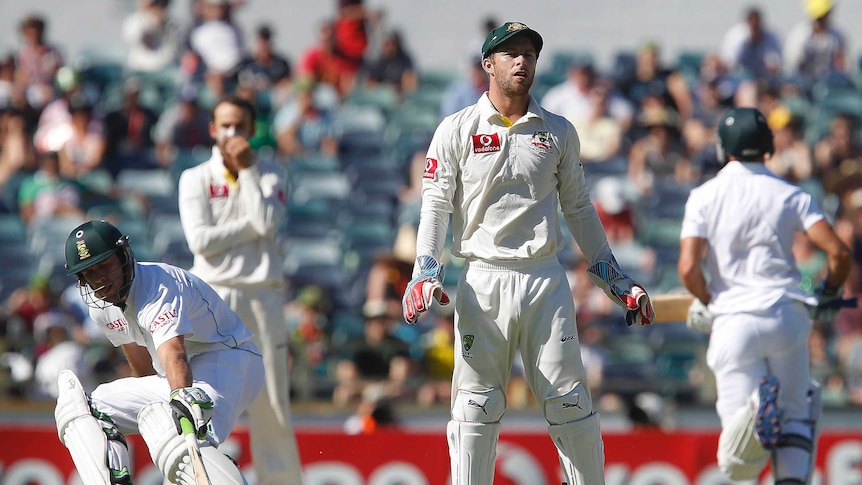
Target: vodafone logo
(431,166)
(486,143)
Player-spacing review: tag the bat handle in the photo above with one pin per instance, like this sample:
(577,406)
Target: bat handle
(187,427)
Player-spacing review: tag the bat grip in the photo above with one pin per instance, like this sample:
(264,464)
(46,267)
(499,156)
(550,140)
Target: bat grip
(186,426)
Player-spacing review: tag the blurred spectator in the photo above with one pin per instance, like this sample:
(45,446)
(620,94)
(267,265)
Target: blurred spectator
(128,132)
(792,157)
(38,62)
(438,360)
(815,49)
(308,318)
(387,280)
(841,144)
(616,213)
(601,134)
(7,81)
(263,129)
(750,49)
(84,150)
(152,39)
(374,412)
(17,155)
(302,126)
(713,92)
(183,126)
(349,32)
(47,193)
(394,67)
(217,44)
(810,261)
(58,350)
(264,68)
(849,228)
(660,154)
(650,78)
(322,64)
(571,99)
(466,90)
(55,121)
(23,306)
(378,357)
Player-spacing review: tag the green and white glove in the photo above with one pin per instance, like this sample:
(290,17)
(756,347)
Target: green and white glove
(195,405)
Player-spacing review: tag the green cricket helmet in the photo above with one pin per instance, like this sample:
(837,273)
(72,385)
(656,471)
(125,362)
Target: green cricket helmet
(744,133)
(91,243)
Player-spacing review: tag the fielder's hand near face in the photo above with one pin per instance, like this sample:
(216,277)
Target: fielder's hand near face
(238,152)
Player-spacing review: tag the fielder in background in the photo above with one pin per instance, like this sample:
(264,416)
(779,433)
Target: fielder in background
(740,226)
(504,167)
(231,207)
(191,355)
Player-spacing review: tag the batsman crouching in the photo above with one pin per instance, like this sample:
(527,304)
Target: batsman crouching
(504,167)
(191,356)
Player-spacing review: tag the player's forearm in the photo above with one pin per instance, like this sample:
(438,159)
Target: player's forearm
(431,234)
(172,355)
(139,360)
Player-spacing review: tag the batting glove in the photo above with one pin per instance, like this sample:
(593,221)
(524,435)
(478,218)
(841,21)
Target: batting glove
(629,295)
(195,405)
(422,288)
(699,317)
(828,303)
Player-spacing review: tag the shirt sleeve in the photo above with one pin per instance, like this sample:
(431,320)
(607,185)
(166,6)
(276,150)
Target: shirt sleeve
(579,212)
(203,235)
(438,191)
(808,210)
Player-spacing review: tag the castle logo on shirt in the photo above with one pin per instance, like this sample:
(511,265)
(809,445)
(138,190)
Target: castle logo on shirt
(218,191)
(431,166)
(486,143)
(118,325)
(163,319)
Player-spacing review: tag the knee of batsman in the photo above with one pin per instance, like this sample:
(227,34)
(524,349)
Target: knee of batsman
(571,406)
(479,406)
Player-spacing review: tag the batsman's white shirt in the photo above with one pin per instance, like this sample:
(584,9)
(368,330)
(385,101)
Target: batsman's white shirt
(231,225)
(504,184)
(165,302)
(748,215)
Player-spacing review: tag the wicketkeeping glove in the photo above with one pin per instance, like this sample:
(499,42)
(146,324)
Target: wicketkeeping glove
(629,295)
(194,404)
(427,284)
(828,303)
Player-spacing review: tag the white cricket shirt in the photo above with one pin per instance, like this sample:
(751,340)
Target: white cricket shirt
(748,216)
(165,302)
(232,226)
(505,184)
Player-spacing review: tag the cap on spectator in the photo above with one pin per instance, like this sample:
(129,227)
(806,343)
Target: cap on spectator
(779,118)
(49,320)
(818,8)
(264,32)
(507,31)
(159,3)
(217,2)
(666,117)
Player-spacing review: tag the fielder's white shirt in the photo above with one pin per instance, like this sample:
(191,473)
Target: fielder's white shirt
(505,184)
(166,301)
(232,226)
(748,216)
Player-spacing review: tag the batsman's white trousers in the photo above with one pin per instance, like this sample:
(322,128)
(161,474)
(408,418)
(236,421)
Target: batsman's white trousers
(273,444)
(232,378)
(503,306)
(744,347)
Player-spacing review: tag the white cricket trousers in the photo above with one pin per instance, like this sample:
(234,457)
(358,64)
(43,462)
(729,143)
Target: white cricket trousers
(744,347)
(273,445)
(232,378)
(502,306)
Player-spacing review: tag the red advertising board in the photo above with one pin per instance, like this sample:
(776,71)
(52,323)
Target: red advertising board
(32,455)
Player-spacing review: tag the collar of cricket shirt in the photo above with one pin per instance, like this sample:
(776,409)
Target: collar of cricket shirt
(489,111)
(219,167)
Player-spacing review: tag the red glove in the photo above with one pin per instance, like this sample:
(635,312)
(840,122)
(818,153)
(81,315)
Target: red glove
(422,288)
(631,296)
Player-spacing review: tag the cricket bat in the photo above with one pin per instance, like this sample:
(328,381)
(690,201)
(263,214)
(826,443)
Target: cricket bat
(201,477)
(673,307)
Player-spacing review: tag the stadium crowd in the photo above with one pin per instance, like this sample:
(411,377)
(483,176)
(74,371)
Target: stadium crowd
(350,119)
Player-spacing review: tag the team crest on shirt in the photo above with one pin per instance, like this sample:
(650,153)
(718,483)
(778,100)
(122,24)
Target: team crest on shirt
(431,166)
(486,143)
(218,191)
(541,140)
(468,341)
